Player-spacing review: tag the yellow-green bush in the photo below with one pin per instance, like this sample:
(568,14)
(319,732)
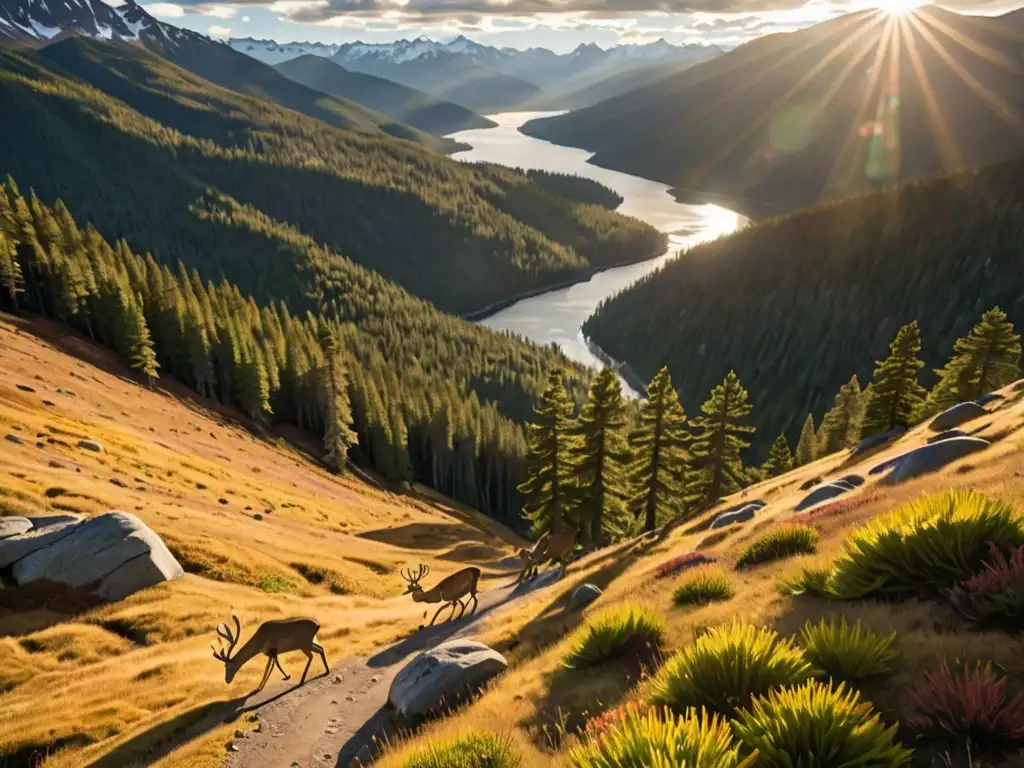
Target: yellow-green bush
(705,586)
(848,652)
(479,750)
(661,739)
(612,632)
(726,667)
(785,541)
(817,724)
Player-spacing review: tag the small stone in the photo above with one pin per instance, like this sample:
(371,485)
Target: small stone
(14,439)
(350,697)
(334,701)
(339,679)
(332,719)
(25,388)
(119,483)
(55,464)
(296,764)
(40,444)
(222,501)
(375,679)
(90,445)
(257,516)
(239,733)
(49,403)
(232,747)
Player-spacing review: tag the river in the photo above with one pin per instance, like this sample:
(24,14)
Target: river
(556,316)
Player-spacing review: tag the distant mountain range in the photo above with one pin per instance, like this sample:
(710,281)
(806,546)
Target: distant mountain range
(482,77)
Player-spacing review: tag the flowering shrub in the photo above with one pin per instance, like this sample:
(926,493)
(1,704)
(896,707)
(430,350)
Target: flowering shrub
(834,509)
(681,563)
(996,595)
(598,724)
(971,707)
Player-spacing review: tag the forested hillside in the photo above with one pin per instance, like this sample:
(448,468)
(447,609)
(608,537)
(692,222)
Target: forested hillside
(798,303)
(173,164)
(791,119)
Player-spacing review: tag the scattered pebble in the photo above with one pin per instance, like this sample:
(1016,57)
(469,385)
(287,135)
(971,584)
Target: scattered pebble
(257,516)
(14,439)
(49,403)
(118,482)
(55,464)
(350,697)
(339,679)
(25,388)
(239,733)
(232,747)
(222,500)
(375,679)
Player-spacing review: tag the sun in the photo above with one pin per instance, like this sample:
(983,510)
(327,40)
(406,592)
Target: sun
(899,7)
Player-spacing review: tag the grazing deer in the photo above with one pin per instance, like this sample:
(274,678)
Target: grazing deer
(272,638)
(451,590)
(550,548)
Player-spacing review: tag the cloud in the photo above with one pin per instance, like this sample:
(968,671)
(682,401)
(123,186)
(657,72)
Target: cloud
(165,10)
(217,11)
(216,31)
(245,19)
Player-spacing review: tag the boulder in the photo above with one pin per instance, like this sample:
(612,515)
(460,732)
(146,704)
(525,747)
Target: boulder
(15,548)
(806,485)
(14,526)
(736,516)
(443,676)
(824,493)
(955,416)
(583,596)
(855,481)
(989,398)
(42,521)
(876,440)
(886,465)
(947,435)
(929,458)
(90,445)
(115,553)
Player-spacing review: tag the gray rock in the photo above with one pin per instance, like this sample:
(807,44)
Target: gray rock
(855,481)
(886,465)
(824,493)
(947,435)
(42,521)
(876,440)
(90,445)
(14,526)
(955,416)
(929,458)
(15,548)
(115,553)
(14,439)
(583,596)
(443,676)
(991,397)
(736,516)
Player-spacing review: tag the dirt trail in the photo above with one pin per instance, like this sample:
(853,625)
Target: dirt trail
(334,719)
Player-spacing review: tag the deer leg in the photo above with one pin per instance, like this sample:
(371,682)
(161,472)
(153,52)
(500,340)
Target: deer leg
(309,660)
(438,614)
(475,603)
(320,649)
(453,604)
(266,673)
(284,674)
(462,607)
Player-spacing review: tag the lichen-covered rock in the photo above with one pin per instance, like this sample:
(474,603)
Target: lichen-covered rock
(115,554)
(443,676)
(583,596)
(14,526)
(929,458)
(955,416)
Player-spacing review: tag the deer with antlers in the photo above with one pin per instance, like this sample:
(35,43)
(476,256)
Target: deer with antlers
(450,590)
(550,548)
(272,638)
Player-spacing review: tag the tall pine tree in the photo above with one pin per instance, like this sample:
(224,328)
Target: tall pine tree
(659,454)
(895,391)
(141,355)
(717,467)
(548,487)
(984,360)
(601,450)
(780,460)
(807,445)
(338,437)
(841,426)
(11,281)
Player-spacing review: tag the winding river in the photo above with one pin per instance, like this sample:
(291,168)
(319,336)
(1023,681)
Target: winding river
(556,316)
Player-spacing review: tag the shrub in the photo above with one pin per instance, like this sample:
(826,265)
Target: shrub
(704,587)
(971,707)
(640,740)
(479,750)
(996,595)
(598,724)
(834,509)
(848,653)
(782,542)
(613,632)
(726,667)
(681,563)
(818,724)
(274,582)
(930,544)
(806,581)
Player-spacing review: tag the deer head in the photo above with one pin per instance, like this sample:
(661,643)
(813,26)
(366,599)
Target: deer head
(413,578)
(224,654)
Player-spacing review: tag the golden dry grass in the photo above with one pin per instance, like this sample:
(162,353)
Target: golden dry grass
(78,681)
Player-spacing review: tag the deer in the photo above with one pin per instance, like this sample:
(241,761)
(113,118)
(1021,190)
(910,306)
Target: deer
(451,590)
(272,638)
(550,548)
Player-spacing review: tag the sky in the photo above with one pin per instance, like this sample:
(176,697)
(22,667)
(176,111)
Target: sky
(560,25)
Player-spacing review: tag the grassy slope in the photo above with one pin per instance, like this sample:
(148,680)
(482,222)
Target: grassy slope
(127,668)
(778,121)
(540,704)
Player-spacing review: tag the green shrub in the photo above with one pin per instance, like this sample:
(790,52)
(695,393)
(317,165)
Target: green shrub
(786,541)
(726,667)
(479,750)
(702,587)
(274,582)
(806,581)
(612,632)
(927,545)
(848,653)
(817,724)
(661,740)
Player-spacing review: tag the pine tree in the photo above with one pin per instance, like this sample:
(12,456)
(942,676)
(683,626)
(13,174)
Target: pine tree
(985,360)
(840,427)
(141,355)
(659,461)
(780,460)
(807,446)
(598,467)
(10,271)
(548,486)
(338,437)
(895,391)
(718,469)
